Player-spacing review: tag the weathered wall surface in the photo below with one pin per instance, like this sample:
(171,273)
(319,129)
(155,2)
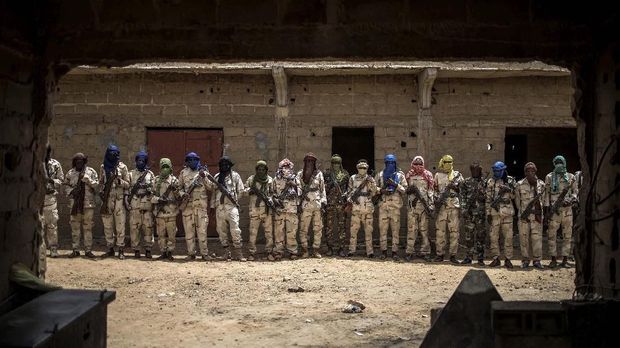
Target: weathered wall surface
(94,110)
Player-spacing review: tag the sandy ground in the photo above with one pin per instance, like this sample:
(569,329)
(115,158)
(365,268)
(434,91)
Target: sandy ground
(219,303)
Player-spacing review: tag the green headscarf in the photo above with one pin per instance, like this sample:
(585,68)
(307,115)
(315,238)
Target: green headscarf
(337,168)
(559,171)
(165,169)
(261,179)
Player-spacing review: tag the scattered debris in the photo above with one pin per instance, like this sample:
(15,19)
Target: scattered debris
(353,307)
(358,333)
(309,320)
(424,315)
(286,279)
(315,271)
(296,289)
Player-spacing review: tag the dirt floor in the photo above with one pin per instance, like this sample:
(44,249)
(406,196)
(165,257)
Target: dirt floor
(219,303)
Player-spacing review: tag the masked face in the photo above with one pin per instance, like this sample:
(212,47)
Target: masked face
(261,171)
(165,171)
(476,171)
(113,156)
(530,175)
(309,164)
(79,164)
(224,166)
(446,166)
(559,167)
(192,163)
(362,171)
(141,163)
(337,165)
(498,174)
(390,165)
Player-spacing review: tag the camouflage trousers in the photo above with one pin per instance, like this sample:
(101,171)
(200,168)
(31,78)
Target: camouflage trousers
(475,235)
(335,233)
(564,219)
(50,220)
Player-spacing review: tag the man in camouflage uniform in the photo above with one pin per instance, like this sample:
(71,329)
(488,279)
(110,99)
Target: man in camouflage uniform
(528,198)
(556,183)
(139,205)
(227,210)
(54,177)
(313,204)
(260,187)
(287,191)
(500,212)
(81,182)
(392,184)
(336,183)
(418,211)
(473,199)
(165,208)
(447,205)
(362,208)
(194,188)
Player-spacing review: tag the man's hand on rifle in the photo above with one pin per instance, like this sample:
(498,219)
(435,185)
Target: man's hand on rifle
(162,200)
(252,191)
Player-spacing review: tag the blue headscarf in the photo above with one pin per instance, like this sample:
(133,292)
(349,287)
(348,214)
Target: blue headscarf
(145,157)
(390,172)
(499,170)
(111,158)
(192,160)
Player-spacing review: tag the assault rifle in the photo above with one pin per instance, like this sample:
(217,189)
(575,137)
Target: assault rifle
(341,197)
(357,193)
(498,198)
(105,195)
(529,208)
(163,200)
(223,190)
(443,197)
(376,199)
(476,196)
(418,197)
(260,195)
(192,186)
(79,193)
(134,189)
(555,207)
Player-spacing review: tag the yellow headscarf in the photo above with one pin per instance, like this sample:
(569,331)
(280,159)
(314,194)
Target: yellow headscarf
(445,165)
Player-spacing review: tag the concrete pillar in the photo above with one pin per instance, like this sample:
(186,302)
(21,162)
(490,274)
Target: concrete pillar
(281,114)
(426,79)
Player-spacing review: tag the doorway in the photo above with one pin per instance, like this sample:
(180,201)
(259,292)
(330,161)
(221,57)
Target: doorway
(353,144)
(540,145)
(175,143)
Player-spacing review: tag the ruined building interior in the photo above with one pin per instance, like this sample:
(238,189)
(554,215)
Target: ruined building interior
(43,42)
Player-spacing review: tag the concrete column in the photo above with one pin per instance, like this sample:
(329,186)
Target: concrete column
(281,114)
(426,79)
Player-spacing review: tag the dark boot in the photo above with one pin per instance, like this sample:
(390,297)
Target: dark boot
(190,257)
(251,257)
(206,257)
(89,254)
(553,263)
(170,257)
(395,256)
(330,251)
(342,253)
(292,256)
(370,256)
(74,253)
(466,261)
(304,252)
(408,257)
(495,262)
(507,263)
(147,254)
(238,255)
(54,253)
(110,253)
(383,255)
(480,262)
(454,261)
(121,254)
(136,254)
(525,264)
(427,258)
(163,256)
(564,263)
(438,258)
(226,253)
(538,265)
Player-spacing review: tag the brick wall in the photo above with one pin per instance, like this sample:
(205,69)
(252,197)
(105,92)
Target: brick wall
(94,110)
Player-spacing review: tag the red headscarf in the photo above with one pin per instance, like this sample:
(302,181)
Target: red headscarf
(417,169)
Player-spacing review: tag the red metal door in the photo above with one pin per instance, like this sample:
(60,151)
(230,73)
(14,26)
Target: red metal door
(175,143)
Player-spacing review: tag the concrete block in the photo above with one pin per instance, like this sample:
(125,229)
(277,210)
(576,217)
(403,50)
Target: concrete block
(175,110)
(465,320)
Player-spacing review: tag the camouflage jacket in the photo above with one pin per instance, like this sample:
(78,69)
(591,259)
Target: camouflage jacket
(473,192)
(334,196)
